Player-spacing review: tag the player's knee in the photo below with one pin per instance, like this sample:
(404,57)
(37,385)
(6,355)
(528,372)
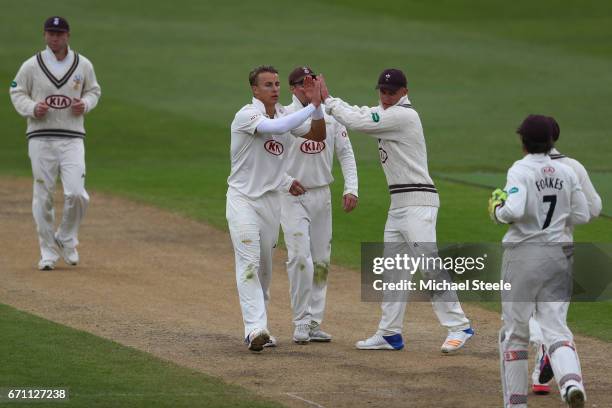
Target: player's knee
(299,258)
(298,243)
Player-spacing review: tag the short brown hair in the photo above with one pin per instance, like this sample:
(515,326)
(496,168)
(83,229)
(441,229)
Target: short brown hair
(258,70)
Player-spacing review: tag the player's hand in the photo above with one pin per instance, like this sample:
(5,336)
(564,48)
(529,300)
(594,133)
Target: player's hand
(498,199)
(41,109)
(78,106)
(324,90)
(296,188)
(311,89)
(349,202)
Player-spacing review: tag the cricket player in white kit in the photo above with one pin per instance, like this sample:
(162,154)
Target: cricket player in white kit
(414,198)
(307,219)
(541,199)
(54,90)
(259,137)
(543,372)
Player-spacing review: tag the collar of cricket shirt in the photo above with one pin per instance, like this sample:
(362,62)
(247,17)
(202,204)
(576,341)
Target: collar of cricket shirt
(538,157)
(280,109)
(296,102)
(50,56)
(403,101)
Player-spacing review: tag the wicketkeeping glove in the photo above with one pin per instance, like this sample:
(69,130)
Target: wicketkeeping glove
(498,199)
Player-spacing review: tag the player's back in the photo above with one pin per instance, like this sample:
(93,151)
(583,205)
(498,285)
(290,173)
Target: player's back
(543,200)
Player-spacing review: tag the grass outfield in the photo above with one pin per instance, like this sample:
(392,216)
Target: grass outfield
(100,373)
(174,74)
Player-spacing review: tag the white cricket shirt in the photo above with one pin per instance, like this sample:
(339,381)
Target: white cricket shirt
(257,159)
(311,162)
(544,197)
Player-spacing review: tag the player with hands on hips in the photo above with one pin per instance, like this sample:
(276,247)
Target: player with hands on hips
(260,134)
(307,219)
(54,90)
(414,202)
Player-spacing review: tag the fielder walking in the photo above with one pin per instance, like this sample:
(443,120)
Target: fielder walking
(54,89)
(542,198)
(414,198)
(259,137)
(307,219)
(542,372)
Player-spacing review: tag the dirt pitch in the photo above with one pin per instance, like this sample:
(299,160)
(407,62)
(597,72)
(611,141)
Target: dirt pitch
(165,284)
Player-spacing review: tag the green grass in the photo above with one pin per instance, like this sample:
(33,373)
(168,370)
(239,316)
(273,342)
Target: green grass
(174,74)
(100,373)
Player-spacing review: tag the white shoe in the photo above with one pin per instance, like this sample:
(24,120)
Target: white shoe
(257,339)
(46,265)
(378,342)
(301,334)
(575,397)
(316,334)
(271,342)
(456,339)
(70,255)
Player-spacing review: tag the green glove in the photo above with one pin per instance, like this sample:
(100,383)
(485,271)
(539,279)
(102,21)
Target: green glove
(498,198)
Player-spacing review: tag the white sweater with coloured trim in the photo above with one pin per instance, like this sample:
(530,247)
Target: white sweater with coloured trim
(401,145)
(36,83)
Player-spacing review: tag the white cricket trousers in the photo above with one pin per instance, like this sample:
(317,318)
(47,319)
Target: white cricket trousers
(307,227)
(50,158)
(417,224)
(537,275)
(253,225)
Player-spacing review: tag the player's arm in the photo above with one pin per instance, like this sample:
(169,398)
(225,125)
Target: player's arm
(344,152)
(593,199)
(579,205)
(20,91)
(364,119)
(316,130)
(91,92)
(367,120)
(284,124)
(512,206)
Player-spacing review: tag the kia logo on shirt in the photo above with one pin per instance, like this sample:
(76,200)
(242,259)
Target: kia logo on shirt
(548,170)
(58,101)
(312,147)
(274,147)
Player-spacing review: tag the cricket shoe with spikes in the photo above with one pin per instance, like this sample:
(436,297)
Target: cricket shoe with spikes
(456,340)
(378,342)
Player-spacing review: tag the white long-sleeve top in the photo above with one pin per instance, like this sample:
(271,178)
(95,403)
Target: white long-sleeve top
(401,145)
(258,162)
(311,162)
(44,78)
(544,197)
(588,189)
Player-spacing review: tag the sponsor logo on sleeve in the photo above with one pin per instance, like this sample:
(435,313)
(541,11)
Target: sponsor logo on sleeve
(513,190)
(58,101)
(274,147)
(375,117)
(312,147)
(14,84)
